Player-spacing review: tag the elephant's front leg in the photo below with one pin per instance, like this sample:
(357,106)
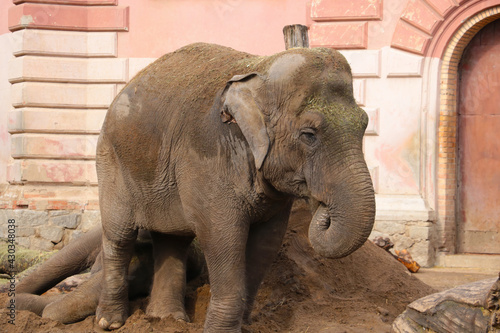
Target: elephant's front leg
(264,242)
(169,281)
(225,256)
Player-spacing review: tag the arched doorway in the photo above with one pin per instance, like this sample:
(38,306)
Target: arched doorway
(478,200)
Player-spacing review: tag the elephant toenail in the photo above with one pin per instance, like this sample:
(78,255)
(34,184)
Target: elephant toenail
(115,325)
(103,323)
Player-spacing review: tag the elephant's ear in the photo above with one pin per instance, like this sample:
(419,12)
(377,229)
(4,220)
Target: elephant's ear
(241,107)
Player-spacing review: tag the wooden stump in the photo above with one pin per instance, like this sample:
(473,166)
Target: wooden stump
(461,309)
(295,36)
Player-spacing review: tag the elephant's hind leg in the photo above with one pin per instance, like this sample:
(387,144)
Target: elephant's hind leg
(77,305)
(119,235)
(169,283)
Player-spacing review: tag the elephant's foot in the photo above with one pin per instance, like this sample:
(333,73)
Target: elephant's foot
(77,305)
(35,303)
(111,316)
(165,309)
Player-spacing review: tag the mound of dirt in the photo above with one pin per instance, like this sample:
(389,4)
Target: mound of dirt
(302,292)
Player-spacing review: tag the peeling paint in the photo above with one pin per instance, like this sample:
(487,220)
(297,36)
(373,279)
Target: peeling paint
(26,20)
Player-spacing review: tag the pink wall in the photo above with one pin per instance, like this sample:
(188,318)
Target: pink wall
(159,26)
(4,14)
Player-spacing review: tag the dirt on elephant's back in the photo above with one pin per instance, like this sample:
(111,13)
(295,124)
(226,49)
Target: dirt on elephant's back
(302,292)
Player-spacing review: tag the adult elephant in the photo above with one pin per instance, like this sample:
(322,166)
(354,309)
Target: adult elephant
(212,143)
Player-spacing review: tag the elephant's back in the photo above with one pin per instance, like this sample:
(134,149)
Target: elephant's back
(190,77)
(162,101)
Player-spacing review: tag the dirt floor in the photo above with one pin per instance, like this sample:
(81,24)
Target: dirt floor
(303,292)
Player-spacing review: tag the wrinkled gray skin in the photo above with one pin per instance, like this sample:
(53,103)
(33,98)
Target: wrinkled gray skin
(80,255)
(215,143)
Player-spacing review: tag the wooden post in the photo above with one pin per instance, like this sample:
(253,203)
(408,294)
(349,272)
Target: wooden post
(295,36)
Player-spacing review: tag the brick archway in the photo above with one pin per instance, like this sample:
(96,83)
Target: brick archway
(447,132)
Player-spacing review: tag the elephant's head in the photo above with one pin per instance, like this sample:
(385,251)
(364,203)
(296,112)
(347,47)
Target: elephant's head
(305,130)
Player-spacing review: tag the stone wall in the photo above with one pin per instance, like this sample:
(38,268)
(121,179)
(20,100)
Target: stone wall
(48,230)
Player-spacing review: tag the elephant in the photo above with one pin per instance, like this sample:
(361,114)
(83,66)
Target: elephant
(78,256)
(213,143)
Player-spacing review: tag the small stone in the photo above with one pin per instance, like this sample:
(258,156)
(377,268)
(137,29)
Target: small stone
(25,217)
(25,231)
(90,220)
(23,241)
(53,213)
(70,221)
(41,244)
(419,233)
(390,227)
(52,233)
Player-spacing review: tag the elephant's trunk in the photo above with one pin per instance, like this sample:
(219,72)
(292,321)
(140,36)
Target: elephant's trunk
(342,224)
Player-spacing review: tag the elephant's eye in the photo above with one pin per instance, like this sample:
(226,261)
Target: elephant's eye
(308,136)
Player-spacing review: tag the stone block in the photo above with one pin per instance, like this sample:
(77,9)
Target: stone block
(62,95)
(366,63)
(403,242)
(374,174)
(64,43)
(57,69)
(41,244)
(418,14)
(90,220)
(70,221)
(75,234)
(57,171)
(359,89)
(53,213)
(53,146)
(60,17)
(24,217)
(81,121)
(339,35)
(24,241)
(52,233)
(442,6)
(409,39)
(374,121)
(419,233)
(25,231)
(422,253)
(403,64)
(326,10)
(73,2)
(390,227)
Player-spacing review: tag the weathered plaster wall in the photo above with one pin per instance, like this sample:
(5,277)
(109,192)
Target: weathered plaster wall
(5,91)
(250,26)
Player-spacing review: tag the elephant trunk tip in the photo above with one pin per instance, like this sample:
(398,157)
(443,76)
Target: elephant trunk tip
(335,236)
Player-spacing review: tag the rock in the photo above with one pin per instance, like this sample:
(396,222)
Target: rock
(70,221)
(41,244)
(90,219)
(25,217)
(25,231)
(52,233)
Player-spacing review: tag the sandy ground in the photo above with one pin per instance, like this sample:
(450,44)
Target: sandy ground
(442,278)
